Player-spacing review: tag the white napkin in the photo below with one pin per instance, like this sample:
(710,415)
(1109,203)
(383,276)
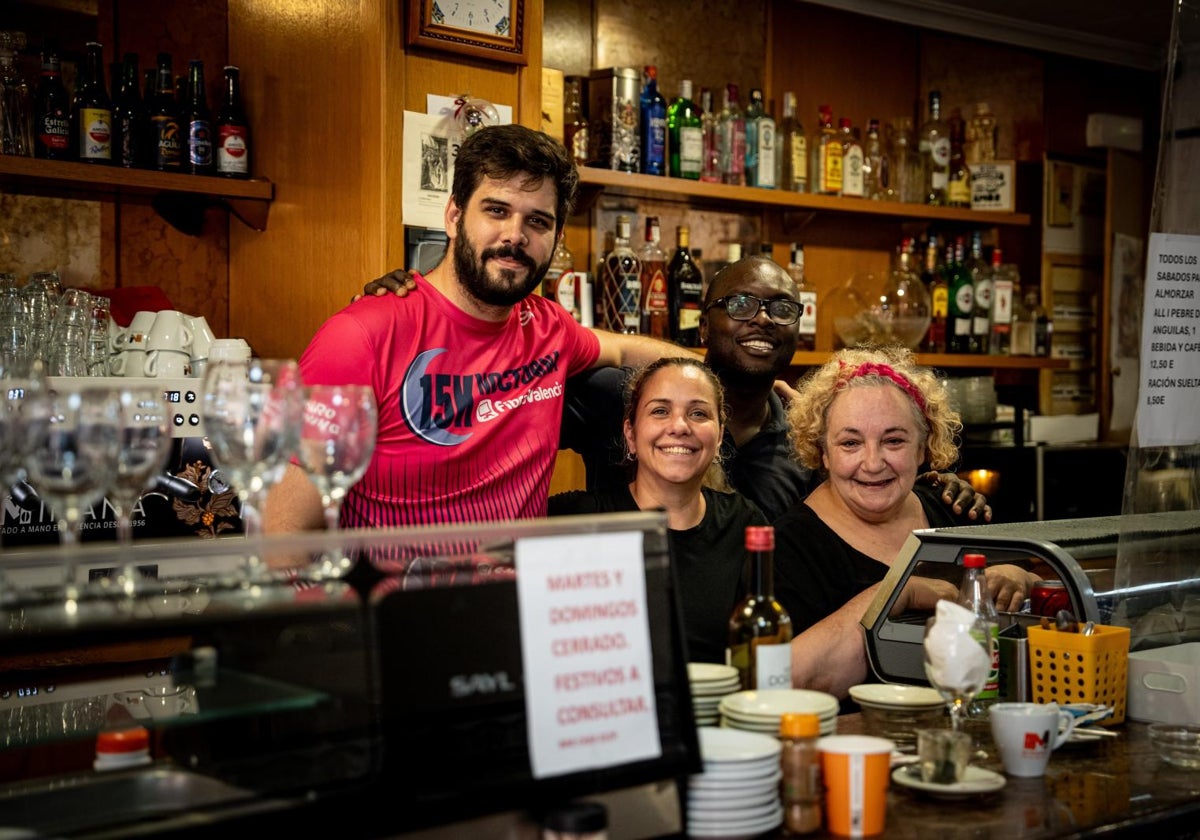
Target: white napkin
(957,662)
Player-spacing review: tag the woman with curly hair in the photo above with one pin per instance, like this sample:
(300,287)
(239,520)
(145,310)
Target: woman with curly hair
(869,421)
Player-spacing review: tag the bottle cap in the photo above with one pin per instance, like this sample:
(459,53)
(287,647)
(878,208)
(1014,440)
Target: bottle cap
(577,818)
(760,538)
(133,739)
(974,561)
(799,725)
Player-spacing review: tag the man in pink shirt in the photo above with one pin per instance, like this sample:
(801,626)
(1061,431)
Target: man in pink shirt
(469,373)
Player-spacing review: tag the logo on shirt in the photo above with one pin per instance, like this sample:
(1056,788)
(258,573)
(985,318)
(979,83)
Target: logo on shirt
(442,408)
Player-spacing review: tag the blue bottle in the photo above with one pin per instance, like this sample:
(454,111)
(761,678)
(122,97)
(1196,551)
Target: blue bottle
(654,124)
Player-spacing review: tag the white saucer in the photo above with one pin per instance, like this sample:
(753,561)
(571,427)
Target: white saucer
(722,786)
(892,696)
(710,672)
(734,745)
(777,702)
(976,782)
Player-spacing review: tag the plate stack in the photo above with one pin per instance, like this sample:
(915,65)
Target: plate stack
(760,711)
(737,795)
(710,682)
(898,711)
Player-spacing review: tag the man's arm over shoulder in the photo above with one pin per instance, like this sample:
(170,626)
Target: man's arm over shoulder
(620,350)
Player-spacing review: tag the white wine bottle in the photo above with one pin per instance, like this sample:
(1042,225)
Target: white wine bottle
(760,630)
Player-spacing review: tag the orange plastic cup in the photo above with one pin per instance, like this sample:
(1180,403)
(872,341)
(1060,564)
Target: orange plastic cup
(856,769)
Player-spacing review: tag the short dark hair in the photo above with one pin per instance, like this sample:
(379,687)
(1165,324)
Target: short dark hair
(505,151)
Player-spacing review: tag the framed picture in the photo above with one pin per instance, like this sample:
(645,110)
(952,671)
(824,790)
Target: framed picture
(490,29)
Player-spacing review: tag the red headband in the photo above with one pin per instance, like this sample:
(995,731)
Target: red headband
(887,372)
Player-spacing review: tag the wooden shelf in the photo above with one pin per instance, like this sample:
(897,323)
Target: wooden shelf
(682,189)
(249,200)
(946,361)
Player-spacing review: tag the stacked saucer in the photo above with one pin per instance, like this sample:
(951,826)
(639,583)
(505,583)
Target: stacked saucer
(760,711)
(737,795)
(899,711)
(710,682)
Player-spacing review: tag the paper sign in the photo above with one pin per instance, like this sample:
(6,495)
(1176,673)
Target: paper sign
(1169,399)
(430,146)
(585,639)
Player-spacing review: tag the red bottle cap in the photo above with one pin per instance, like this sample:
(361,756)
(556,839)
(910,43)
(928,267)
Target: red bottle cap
(974,561)
(760,538)
(129,740)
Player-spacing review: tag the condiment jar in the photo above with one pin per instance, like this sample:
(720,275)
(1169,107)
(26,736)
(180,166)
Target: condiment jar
(800,762)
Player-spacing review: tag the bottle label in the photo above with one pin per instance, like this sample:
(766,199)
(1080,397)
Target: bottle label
(1002,300)
(563,291)
(964,300)
(808,313)
(852,172)
(233,152)
(689,318)
(765,175)
(940,306)
(169,153)
(656,146)
(991,688)
(95,134)
(958,191)
(831,167)
(799,162)
(773,666)
(656,292)
(200,149)
(939,151)
(55,132)
(691,151)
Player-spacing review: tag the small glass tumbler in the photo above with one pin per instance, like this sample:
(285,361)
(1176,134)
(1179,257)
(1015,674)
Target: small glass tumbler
(944,755)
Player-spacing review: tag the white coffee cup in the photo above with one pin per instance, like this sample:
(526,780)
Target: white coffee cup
(202,337)
(139,327)
(170,332)
(129,362)
(168,364)
(229,350)
(1026,734)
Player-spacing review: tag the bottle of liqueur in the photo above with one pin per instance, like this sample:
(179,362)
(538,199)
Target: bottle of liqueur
(982,283)
(685,292)
(655,309)
(826,155)
(853,183)
(806,296)
(91,111)
(875,163)
(559,282)
(731,139)
(962,301)
(575,130)
(129,117)
(653,114)
(958,179)
(793,149)
(760,630)
(52,110)
(935,153)
(232,130)
(164,116)
(939,299)
(710,170)
(620,281)
(685,136)
(761,143)
(199,123)
(1003,288)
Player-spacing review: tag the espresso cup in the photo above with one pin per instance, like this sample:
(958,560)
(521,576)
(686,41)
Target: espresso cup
(138,329)
(170,331)
(202,337)
(1026,734)
(168,364)
(229,350)
(131,362)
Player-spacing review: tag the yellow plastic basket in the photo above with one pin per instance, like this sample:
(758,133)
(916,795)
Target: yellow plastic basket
(1074,668)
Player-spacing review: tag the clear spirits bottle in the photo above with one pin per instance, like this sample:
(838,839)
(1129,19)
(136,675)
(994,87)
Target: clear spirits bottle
(875,163)
(620,281)
(16,102)
(826,155)
(685,135)
(904,173)
(1004,285)
(653,280)
(853,185)
(958,179)
(935,153)
(981,135)
(973,594)
(711,168)
(793,149)
(806,296)
(653,113)
(760,143)
(731,139)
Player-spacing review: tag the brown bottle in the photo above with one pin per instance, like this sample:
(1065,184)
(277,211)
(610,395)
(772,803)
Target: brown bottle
(800,762)
(164,116)
(232,130)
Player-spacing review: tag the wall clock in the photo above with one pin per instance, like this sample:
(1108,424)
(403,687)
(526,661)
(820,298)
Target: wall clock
(492,29)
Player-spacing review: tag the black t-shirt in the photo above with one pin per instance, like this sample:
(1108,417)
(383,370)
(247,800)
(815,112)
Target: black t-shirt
(708,560)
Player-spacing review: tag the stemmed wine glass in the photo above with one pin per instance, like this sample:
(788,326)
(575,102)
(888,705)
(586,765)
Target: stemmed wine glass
(958,656)
(337,440)
(145,444)
(253,410)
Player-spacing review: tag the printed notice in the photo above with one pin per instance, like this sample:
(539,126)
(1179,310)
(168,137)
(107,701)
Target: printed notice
(1169,399)
(585,639)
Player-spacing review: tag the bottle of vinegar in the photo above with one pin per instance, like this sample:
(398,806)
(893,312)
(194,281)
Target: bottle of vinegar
(760,630)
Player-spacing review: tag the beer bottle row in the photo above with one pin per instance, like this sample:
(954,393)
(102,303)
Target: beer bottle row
(162,128)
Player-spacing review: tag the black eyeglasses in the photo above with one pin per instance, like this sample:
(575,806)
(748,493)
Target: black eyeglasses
(744,307)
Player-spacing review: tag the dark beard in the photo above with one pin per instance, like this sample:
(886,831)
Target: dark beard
(472,273)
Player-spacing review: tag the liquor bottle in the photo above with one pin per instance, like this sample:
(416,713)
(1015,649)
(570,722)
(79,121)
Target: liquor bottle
(575,128)
(731,139)
(760,630)
(806,296)
(853,185)
(199,125)
(981,282)
(1024,323)
(232,130)
(875,163)
(685,292)
(562,262)
(934,146)
(826,153)
(1043,327)
(800,767)
(761,151)
(16,102)
(653,121)
(981,135)
(793,149)
(685,135)
(973,594)
(904,172)
(52,110)
(655,312)
(962,301)
(1003,287)
(168,144)
(939,299)
(129,117)
(91,111)
(710,169)
(620,276)
(958,179)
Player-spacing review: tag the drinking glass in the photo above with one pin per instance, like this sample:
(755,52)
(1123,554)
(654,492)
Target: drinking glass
(253,411)
(957,656)
(337,440)
(145,445)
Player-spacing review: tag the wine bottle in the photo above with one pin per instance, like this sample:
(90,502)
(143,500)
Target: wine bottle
(760,630)
(685,292)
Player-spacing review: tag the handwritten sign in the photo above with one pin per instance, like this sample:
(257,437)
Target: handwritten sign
(1169,401)
(585,639)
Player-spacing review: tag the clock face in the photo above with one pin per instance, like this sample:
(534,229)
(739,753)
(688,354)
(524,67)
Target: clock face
(487,17)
